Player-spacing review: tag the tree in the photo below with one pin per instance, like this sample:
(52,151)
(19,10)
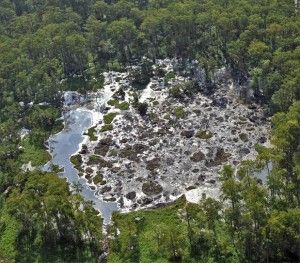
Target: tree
(123,34)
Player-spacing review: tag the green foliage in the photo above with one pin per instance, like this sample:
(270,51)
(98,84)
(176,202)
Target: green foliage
(107,127)
(202,134)
(91,133)
(170,75)
(250,222)
(36,155)
(43,199)
(149,236)
(76,160)
(179,112)
(109,117)
(10,229)
(179,91)
(121,106)
(52,46)
(98,179)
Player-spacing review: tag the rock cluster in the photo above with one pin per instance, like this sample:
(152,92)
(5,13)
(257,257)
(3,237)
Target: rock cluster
(179,145)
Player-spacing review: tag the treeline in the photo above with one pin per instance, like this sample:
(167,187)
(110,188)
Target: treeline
(43,43)
(250,222)
(49,46)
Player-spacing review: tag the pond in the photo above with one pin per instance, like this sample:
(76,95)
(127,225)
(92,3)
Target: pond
(64,144)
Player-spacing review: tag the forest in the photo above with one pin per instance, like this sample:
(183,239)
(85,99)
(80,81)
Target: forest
(48,47)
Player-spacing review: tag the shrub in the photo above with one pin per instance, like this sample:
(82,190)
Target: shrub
(170,75)
(179,112)
(108,118)
(176,92)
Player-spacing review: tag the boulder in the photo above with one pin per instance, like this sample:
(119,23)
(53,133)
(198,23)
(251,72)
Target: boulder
(153,164)
(130,195)
(201,178)
(188,133)
(197,156)
(152,188)
(105,189)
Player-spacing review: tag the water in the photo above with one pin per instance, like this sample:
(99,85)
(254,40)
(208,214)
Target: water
(64,144)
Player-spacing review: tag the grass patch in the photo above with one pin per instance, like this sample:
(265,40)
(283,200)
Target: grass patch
(201,134)
(109,117)
(113,102)
(179,112)
(98,179)
(150,230)
(107,127)
(37,156)
(91,133)
(170,75)
(76,160)
(121,106)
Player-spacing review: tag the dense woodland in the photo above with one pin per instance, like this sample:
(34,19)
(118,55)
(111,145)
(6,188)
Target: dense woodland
(50,46)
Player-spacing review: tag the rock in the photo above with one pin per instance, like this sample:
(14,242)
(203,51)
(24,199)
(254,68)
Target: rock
(105,189)
(84,149)
(129,153)
(197,156)
(196,170)
(186,166)
(115,169)
(244,151)
(130,195)
(95,159)
(262,139)
(139,148)
(235,139)
(244,137)
(89,170)
(188,133)
(220,157)
(201,178)
(124,140)
(152,188)
(109,199)
(220,102)
(211,181)
(121,202)
(220,119)
(145,201)
(153,142)
(252,107)
(191,187)
(169,161)
(139,179)
(127,128)
(153,164)
(253,119)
